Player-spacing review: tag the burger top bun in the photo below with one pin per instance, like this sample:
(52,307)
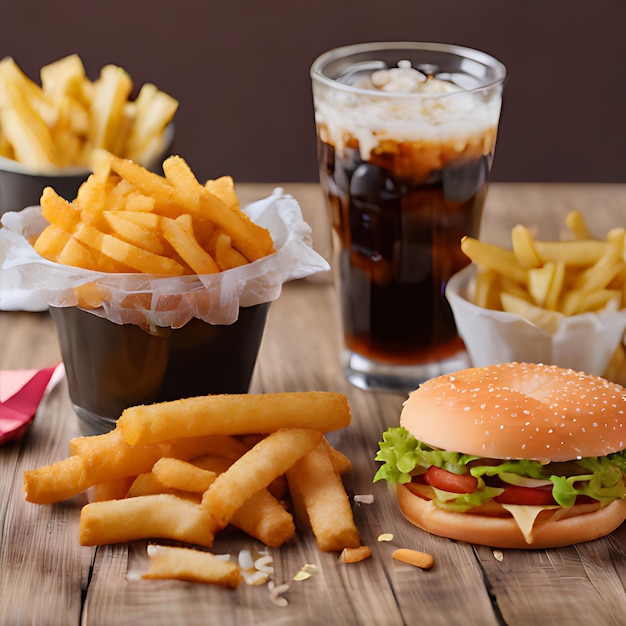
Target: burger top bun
(519,411)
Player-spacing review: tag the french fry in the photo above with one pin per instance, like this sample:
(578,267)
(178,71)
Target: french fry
(251,240)
(495,258)
(161,516)
(261,516)
(179,233)
(524,248)
(108,122)
(154,110)
(133,233)
(181,475)
(256,469)
(170,562)
(423,560)
(576,223)
(56,482)
(233,414)
(315,485)
(112,489)
(127,253)
(225,255)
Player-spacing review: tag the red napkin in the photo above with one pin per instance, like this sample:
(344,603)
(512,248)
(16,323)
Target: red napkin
(21,392)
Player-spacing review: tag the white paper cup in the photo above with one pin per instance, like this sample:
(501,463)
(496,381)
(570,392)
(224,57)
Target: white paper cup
(584,342)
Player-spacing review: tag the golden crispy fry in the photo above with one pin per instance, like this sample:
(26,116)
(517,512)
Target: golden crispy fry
(495,258)
(423,560)
(179,233)
(56,482)
(112,489)
(315,485)
(224,188)
(77,254)
(225,446)
(154,110)
(340,461)
(524,248)
(133,233)
(162,516)
(256,469)
(58,211)
(127,253)
(169,562)
(261,516)
(225,255)
(148,485)
(109,124)
(573,253)
(23,114)
(51,242)
(181,475)
(576,223)
(251,240)
(234,414)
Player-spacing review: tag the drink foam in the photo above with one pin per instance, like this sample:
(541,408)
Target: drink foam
(405,105)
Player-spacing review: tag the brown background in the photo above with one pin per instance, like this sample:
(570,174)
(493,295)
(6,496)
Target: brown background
(241,71)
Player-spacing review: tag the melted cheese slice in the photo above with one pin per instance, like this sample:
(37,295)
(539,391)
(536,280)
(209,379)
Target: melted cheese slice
(525,516)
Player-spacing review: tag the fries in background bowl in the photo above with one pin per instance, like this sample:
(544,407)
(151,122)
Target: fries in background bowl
(185,484)
(63,121)
(51,132)
(560,302)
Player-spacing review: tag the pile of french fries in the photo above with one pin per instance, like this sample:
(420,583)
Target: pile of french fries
(128,219)
(68,118)
(544,281)
(186,469)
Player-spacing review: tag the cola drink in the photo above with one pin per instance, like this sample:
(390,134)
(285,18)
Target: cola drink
(405,146)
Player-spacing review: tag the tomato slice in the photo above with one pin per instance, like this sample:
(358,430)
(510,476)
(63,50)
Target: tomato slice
(447,481)
(515,494)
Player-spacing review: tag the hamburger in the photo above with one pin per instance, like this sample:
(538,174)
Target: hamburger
(516,455)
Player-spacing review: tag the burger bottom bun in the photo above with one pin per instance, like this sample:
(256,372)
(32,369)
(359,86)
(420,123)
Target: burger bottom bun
(498,532)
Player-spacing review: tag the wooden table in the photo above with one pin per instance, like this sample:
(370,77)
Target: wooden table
(47,578)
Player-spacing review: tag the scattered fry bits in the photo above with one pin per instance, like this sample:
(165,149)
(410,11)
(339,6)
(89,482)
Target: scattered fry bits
(355,555)
(306,571)
(419,559)
(385,537)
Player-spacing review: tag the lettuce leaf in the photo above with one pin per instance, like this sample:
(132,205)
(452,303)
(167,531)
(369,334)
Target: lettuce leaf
(600,478)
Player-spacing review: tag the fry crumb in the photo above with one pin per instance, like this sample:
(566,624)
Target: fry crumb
(354,555)
(498,555)
(306,572)
(275,591)
(423,560)
(385,537)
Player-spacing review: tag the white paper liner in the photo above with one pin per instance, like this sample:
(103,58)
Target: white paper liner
(582,342)
(150,301)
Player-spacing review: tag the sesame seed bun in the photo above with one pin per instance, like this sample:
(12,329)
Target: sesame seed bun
(519,411)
